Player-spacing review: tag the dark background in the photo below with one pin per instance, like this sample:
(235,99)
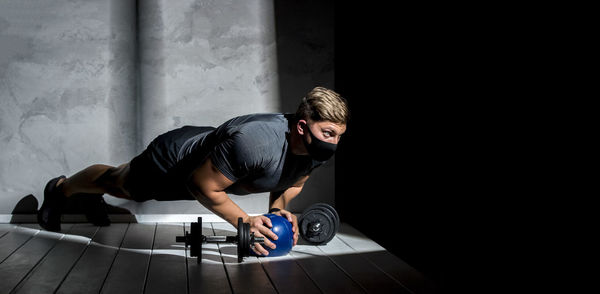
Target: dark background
(428,165)
(438,163)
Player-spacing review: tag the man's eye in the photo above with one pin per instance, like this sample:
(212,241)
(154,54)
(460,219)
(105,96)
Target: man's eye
(327,134)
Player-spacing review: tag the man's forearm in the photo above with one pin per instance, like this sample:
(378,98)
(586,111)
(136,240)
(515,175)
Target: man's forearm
(221,205)
(281,201)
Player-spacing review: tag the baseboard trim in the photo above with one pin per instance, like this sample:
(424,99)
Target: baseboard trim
(119,218)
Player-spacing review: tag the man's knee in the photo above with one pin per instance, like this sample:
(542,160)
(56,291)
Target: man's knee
(113,179)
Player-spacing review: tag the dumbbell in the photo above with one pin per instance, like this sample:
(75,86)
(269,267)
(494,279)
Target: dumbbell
(318,224)
(195,239)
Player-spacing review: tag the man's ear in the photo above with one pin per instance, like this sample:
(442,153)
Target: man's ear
(299,126)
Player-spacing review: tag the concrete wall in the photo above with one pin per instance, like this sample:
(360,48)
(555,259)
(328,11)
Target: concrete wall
(85,82)
(64,92)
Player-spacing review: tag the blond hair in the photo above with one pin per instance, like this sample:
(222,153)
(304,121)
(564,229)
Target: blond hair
(322,104)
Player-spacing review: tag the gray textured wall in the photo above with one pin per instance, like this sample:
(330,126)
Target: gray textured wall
(64,92)
(76,88)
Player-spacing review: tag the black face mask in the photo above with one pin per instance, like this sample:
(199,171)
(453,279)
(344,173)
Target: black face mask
(317,149)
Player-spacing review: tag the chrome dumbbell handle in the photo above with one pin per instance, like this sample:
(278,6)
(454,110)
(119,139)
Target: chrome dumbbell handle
(244,239)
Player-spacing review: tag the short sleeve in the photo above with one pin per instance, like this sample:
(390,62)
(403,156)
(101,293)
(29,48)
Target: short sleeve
(238,156)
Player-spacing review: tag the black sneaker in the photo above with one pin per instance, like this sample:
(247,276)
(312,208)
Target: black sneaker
(95,210)
(50,212)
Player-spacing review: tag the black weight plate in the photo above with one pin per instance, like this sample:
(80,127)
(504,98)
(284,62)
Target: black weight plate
(246,251)
(241,233)
(330,211)
(243,237)
(195,239)
(309,209)
(199,240)
(303,223)
(327,230)
(327,227)
(330,208)
(333,212)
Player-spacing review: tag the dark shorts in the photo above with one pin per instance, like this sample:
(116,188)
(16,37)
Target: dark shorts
(156,174)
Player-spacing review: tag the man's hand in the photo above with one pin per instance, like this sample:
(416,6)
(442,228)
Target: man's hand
(292,219)
(260,225)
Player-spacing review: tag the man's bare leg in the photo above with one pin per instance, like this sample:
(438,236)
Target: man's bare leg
(97,179)
(92,182)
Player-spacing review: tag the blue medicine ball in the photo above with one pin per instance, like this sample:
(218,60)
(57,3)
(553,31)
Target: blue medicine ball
(283,229)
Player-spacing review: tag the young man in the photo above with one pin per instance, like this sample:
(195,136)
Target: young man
(248,154)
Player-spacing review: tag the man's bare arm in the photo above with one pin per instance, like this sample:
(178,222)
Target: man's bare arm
(207,184)
(282,199)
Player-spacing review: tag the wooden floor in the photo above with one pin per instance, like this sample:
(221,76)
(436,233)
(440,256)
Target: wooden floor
(144,258)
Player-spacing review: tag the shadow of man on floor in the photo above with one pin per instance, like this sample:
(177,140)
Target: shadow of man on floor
(93,207)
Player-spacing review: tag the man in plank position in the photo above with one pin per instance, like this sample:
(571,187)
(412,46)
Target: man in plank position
(248,154)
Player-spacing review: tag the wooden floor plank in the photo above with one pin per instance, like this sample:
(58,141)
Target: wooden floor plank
(326,275)
(401,271)
(361,270)
(209,276)
(135,258)
(384,260)
(5,228)
(89,273)
(168,271)
(50,272)
(248,276)
(128,273)
(24,259)
(15,239)
(288,276)
(35,226)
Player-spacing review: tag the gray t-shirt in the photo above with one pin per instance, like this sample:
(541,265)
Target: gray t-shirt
(252,151)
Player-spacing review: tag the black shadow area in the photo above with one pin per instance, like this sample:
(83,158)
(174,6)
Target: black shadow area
(75,207)
(305,48)
(424,168)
